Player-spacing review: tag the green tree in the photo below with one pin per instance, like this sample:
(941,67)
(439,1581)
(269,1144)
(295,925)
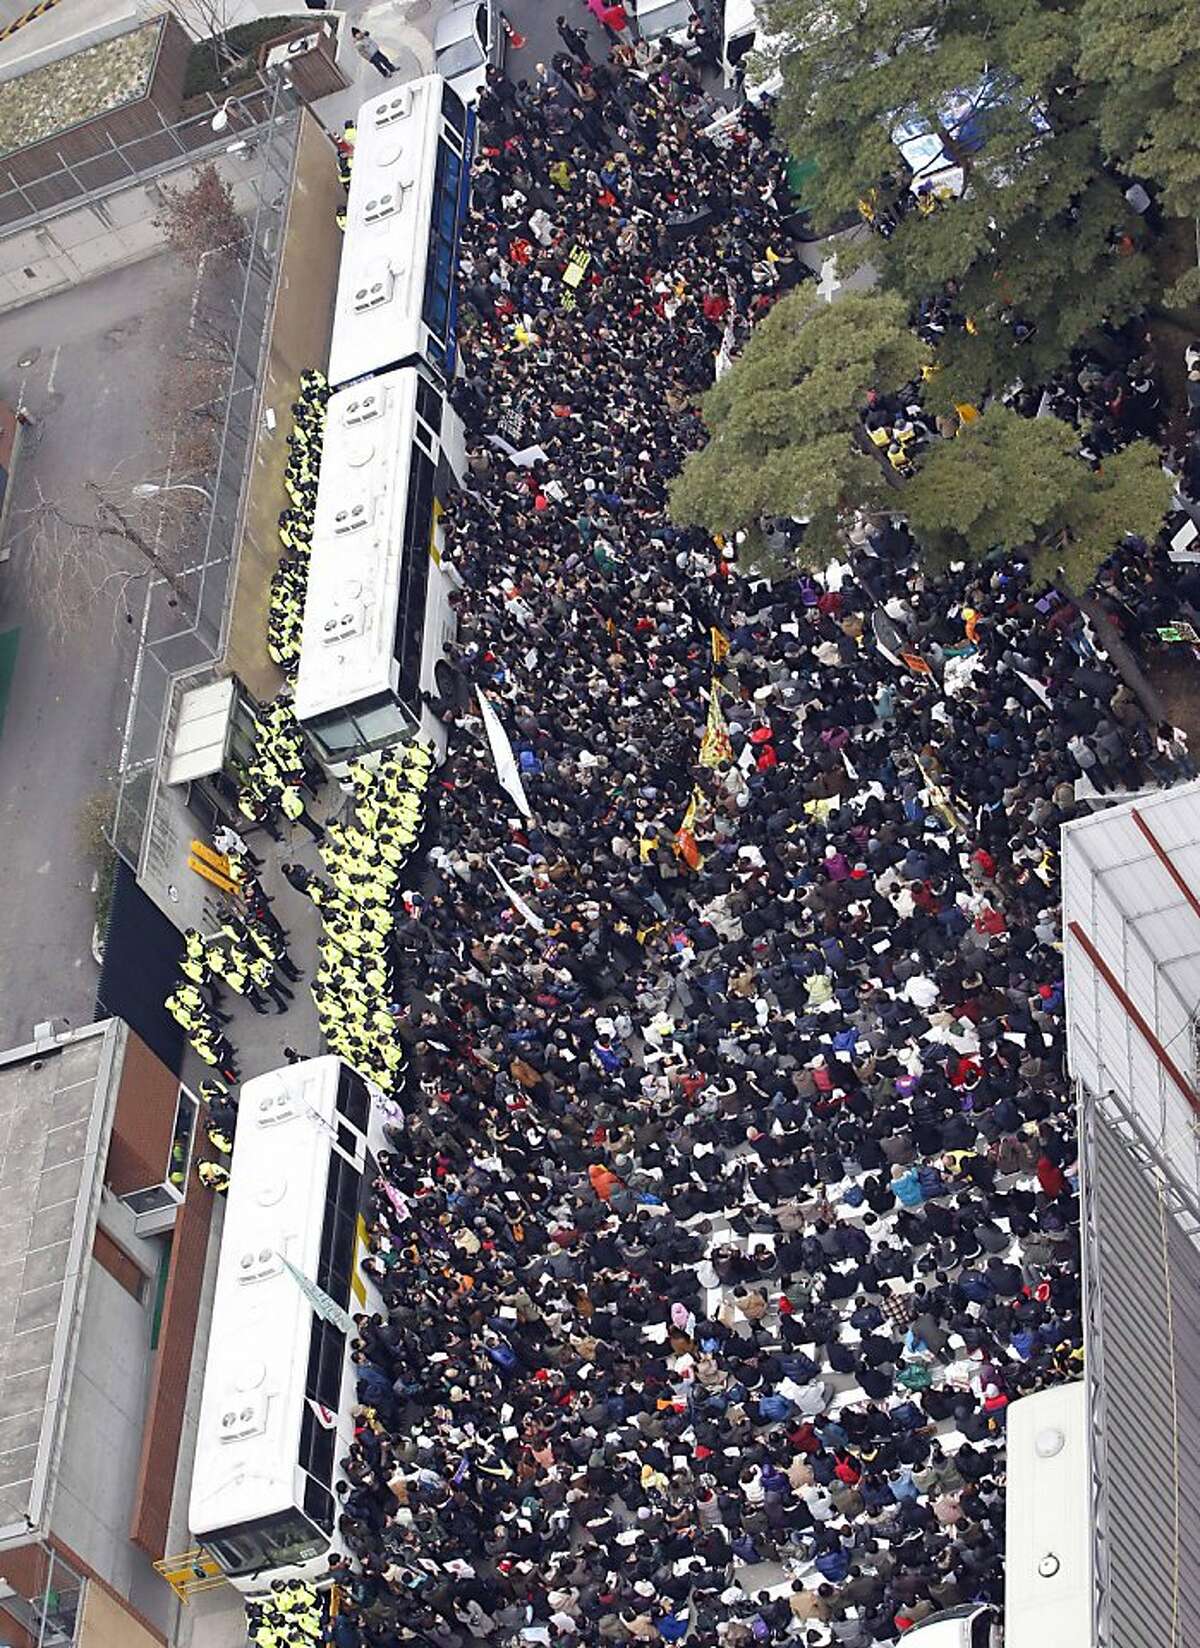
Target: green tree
(1038,236)
(1144,58)
(1012,483)
(784,421)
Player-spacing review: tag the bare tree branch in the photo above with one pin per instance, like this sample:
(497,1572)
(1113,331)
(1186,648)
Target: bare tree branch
(79,550)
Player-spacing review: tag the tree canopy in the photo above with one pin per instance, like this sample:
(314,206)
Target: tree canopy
(1007,482)
(787,438)
(1143,57)
(1042,246)
(784,422)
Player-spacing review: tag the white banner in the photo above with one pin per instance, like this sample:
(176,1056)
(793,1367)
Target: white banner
(507,770)
(518,903)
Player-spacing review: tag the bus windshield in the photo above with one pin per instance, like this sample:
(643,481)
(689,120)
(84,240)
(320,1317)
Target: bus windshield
(277,1541)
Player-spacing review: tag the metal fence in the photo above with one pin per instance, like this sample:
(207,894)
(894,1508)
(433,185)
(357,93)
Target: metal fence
(184,621)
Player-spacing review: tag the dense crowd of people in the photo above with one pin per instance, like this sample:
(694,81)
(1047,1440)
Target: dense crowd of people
(730,1195)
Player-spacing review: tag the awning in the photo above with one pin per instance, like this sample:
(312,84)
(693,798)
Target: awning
(202,732)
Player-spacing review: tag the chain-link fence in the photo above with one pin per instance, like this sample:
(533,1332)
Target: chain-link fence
(183,621)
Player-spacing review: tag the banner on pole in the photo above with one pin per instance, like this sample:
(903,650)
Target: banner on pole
(716,745)
(507,770)
(326,1308)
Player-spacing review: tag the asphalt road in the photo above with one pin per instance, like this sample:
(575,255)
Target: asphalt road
(92,385)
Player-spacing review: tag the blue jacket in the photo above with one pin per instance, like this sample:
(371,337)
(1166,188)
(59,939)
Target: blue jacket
(907,1190)
(833,1566)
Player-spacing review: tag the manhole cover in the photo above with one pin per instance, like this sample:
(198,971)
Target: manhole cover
(28,358)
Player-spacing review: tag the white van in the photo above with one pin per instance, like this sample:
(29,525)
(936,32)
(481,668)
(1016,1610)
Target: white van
(742,35)
(971,1625)
(669,18)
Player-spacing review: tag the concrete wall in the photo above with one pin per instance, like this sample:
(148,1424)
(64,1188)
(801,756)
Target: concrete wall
(85,241)
(102,1443)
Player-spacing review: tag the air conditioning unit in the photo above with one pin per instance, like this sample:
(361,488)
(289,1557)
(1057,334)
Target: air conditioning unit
(372,403)
(375,288)
(391,109)
(343,626)
(353,517)
(243,1417)
(279,1106)
(259,1264)
(385,204)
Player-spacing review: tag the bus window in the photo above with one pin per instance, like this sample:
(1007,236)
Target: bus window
(335,1261)
(429,406)
(278,1541)
(326,1354)
(353,1099)
(317,1447)
(414,574)
(320,1504)
(371,723)
(379,721)
(454,110)
(335,732)
(443,237)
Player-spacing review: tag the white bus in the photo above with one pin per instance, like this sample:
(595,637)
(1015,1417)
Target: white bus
(262,1496)
(1048,1544)
(409,186)
(1048,1521)
(377,612)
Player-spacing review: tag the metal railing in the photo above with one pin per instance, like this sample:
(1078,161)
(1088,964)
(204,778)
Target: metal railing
(32,203)
(167,647)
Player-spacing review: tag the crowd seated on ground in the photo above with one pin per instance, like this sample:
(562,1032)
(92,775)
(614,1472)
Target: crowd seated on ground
(731,1190)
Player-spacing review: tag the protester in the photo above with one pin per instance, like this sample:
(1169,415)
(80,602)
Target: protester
(730,1196)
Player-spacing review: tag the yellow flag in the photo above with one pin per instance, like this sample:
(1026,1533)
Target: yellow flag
(720,646)
(715,746)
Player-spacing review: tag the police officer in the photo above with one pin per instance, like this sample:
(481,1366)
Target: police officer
(218,1138)
(291,804)
(213,1177)
(264,978)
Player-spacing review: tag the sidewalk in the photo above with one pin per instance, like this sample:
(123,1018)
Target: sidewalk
(259,1038)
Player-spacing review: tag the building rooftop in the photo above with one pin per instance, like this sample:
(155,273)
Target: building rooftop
(50,99)
(1131,920)
(55,1112)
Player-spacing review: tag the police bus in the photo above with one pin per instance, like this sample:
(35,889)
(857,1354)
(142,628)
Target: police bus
(409,188)
(377,611)
(278,1385)
(1048,1586)
(1047,1555)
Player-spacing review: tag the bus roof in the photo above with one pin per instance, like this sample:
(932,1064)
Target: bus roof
(350,607)
(250,1411)
(1048,1545)
(381,284)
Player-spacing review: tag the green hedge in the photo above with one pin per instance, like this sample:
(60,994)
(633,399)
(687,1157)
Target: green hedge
(203,74)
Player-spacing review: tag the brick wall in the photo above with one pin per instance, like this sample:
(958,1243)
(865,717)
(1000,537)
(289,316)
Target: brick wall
(24,1570)
(169,1377)
(118,1264)
(143,1121)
